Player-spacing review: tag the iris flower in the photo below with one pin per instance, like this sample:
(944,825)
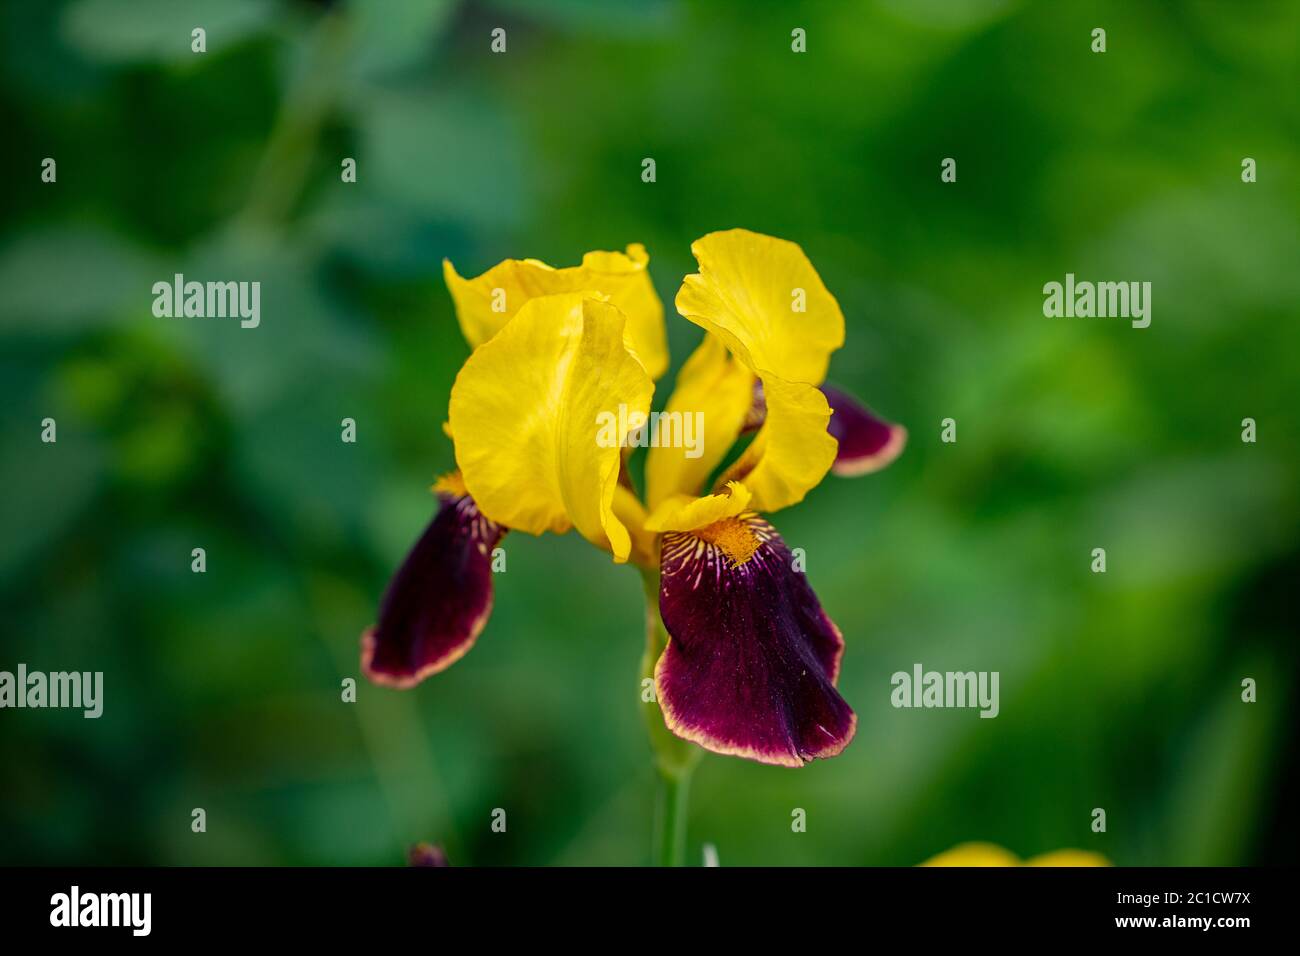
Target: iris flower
(743,658)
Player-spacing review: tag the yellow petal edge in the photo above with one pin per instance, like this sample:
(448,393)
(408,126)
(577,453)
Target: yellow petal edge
(486,303)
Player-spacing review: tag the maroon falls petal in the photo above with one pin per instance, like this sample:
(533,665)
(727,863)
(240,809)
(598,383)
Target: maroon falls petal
(752,659)
(867,442)
(439,599)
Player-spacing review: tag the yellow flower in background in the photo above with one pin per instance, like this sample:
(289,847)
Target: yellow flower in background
(990,854)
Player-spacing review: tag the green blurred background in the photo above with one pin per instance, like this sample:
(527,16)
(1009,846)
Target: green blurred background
(222,690)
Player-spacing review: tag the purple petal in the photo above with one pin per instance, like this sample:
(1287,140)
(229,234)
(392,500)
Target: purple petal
(427,854)
(439,599)
(867,443)
(751,665)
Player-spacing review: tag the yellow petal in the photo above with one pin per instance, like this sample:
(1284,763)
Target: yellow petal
(1068,858)
(989,854)
(687,513)
(526,411)
(749,291)
(792,451)
(717,391)
(629,510)
(487,302)
(974,854)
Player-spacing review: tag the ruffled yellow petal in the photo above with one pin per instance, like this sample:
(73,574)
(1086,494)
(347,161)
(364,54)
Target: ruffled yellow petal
(526,411)
(974,854)
(792,452)
(765,300)
(487,302)
(687,513)
(717,390)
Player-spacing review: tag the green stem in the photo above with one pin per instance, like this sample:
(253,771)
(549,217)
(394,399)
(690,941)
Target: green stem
(675,759)
(670,818)
(311,94)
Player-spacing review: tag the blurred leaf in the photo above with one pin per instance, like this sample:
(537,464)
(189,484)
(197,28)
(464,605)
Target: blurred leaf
(123,31)
(303,334)
(448,155)
(47,486)
(392,35)
(110,276)
(627,17)
(1213,817)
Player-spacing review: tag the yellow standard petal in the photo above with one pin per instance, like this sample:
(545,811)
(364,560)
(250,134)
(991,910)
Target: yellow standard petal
(629,510)
(487,302)
(792,451)
(527,408)
(714,392)
(765,300)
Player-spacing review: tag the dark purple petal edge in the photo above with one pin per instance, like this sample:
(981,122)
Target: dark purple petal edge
(438,601)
